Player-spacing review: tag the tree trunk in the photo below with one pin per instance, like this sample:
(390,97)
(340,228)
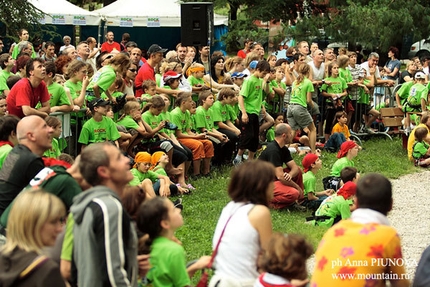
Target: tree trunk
(233,11)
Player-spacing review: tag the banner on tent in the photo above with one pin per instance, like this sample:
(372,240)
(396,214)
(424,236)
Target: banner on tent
(126,22)
(79,20)
(58,19)
(153,22)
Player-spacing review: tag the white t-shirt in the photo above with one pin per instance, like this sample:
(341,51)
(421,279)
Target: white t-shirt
(365,66)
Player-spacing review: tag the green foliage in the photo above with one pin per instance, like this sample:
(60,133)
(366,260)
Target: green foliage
(203,207)
(19,14)
(239,30)
(373,23)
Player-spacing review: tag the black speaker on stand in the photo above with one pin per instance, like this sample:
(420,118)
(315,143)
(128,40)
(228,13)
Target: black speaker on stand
(197,24)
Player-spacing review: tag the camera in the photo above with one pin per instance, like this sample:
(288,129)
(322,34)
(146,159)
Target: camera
(170,126)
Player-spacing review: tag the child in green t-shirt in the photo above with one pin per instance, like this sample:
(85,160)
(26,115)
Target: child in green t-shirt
(311,165)
(421,149)
(171,82)
(55,150)
(149,88)
(196,72)
(158,219)
(159,161)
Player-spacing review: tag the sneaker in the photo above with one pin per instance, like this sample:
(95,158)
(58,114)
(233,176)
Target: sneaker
(237,162)
(178,203)
(369,130)
(297,207)
(319,145)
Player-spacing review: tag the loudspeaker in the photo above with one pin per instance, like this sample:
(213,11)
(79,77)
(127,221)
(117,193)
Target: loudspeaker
(197,24)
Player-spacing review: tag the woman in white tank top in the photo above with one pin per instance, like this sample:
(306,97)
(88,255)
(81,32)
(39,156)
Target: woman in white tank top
(249,228)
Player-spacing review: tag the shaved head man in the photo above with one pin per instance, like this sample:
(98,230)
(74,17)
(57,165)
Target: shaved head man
(24,160)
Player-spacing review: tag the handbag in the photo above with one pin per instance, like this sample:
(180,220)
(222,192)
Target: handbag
(203,282)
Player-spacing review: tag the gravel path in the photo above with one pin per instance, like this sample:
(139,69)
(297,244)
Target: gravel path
(410,217)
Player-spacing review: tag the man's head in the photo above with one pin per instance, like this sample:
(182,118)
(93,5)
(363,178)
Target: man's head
(83,50)
(130,46)
(104,164)
(50,49)
(314,47)
(35,68)
(318,56)
(109,36)
(204,50)
(67,40)
(374,192)
(135,56)
(373,59)
(155,53)
(182,51)
(33,132)
(303,48)
(283,133)
(92,42)
(329,54)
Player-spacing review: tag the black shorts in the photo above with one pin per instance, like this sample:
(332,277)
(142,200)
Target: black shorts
(249,132)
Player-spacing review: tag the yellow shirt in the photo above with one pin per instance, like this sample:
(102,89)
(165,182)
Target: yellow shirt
(337,128)
(411,140)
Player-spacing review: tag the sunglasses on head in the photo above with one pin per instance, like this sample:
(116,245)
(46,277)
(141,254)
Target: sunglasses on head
(108,57)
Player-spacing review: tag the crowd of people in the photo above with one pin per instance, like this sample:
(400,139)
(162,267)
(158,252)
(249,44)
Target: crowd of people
(141,126)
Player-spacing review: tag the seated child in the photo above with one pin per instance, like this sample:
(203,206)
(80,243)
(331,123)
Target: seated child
(284,261)
(421,149)
(195,77)
(149,88)
(158,218)
(417,99)
(159,161)
(152,183)
(311,165)
(338,206)
(339,133)
(55,150)
(125,136)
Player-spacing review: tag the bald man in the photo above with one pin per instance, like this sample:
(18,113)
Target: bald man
(25,159)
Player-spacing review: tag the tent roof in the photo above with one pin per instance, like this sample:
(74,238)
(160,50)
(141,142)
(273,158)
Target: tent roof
(167,11)
(67,10)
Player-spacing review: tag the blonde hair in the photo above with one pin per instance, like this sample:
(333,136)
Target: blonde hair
(30,211)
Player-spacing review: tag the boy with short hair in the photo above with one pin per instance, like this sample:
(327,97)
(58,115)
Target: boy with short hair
(6,64)
(311,165)
(149,88)
(417,99)
(250,104)
(99,128)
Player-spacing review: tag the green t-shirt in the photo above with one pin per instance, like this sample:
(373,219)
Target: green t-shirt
(93,131)
(152,120)
(233,111)
(270,135)
(181,119)
(204,119)
(75,88)
(338,86)
(167,260)
(128,122)
(345,74)
(55,151)
(364,98)
(58,95)
(420,149)
(416,93)
(103,78)
(309,183)
(4,75)
(299,92)
(220,113)
(67,247)
(252,93)
(165,116)
(403,92)
(159,170)
(339,165)
(15,52)
(194,81)
(4,151)
(138,176)
(333,206)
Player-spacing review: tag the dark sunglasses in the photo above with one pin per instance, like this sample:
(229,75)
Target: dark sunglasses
(133,70)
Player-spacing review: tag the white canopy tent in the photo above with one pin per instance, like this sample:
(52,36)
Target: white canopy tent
(62,12)
(147,13)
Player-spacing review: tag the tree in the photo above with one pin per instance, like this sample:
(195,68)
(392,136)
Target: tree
(18,14)
(373,23)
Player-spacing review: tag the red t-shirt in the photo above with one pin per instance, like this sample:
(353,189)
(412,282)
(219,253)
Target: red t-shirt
(242,54)
(146,72)
(109,47)
(23,94)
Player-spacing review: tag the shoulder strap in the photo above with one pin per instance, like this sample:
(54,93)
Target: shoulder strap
(35,264)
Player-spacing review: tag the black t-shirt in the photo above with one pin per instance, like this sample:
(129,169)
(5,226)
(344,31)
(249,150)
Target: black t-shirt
(403,75)
(19,167)
(275,154)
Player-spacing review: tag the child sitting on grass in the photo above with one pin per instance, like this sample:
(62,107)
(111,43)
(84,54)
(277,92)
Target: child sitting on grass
(159,161)
(152,183)
(421,149)
(284,261)
(339,133)
(311,165)
(338,206)
(158,218)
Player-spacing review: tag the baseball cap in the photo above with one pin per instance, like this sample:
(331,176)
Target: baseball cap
(345,147)
(253,64)
(156,49)
(98,103)
(347,190)
(420,75)
(238,75)
(309,160)
(170,75)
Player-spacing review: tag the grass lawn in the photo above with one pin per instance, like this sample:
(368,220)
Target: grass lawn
(203,207)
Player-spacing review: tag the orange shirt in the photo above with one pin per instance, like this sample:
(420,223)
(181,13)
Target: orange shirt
(337,128)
